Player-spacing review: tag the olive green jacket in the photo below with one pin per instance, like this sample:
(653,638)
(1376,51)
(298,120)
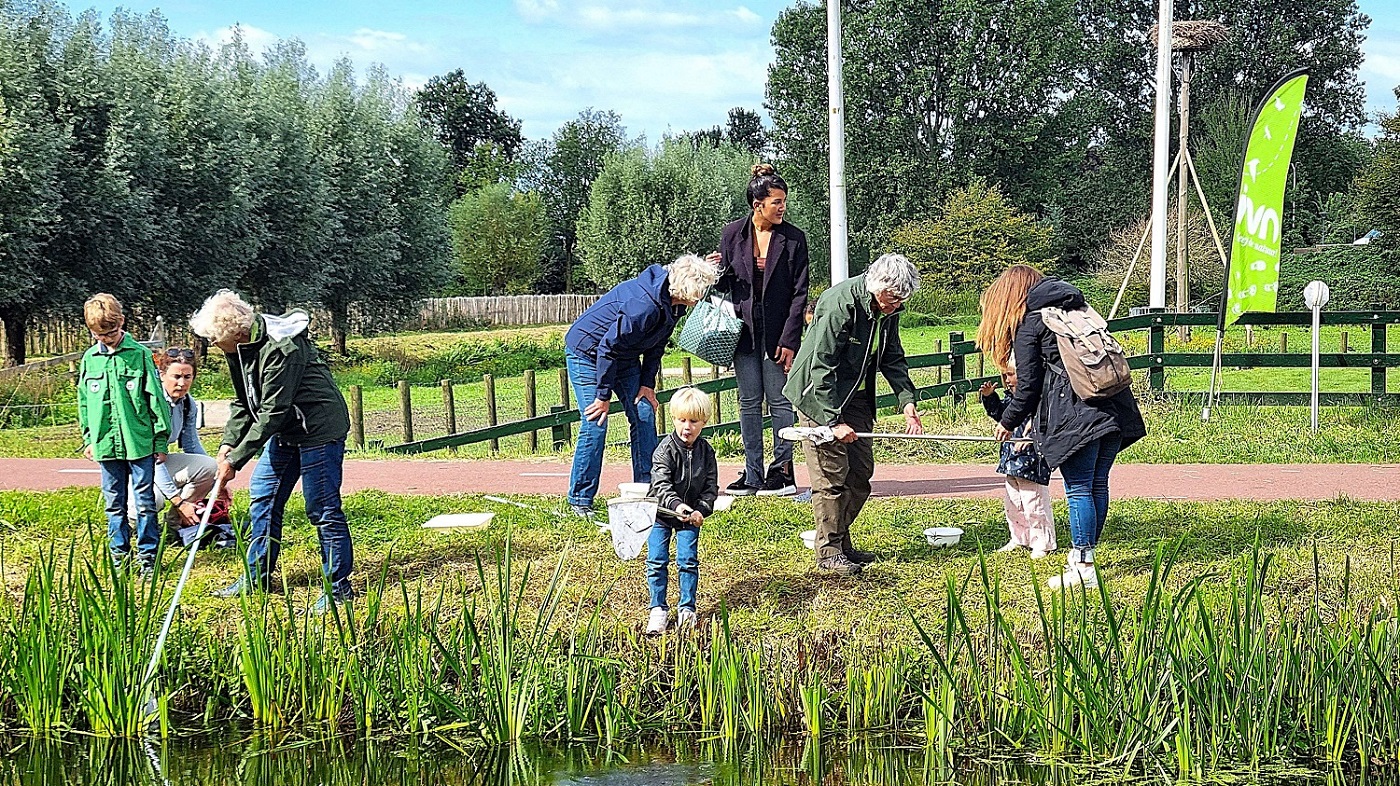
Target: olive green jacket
(836,353)
(282,388)
(121,406)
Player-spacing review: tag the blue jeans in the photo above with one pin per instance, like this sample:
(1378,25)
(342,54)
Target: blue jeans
(687,562)
(1086,490)
(760,377)
(593,438)
(320,469)
(141,475)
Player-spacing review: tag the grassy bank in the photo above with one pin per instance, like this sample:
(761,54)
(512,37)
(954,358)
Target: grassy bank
(1223,633)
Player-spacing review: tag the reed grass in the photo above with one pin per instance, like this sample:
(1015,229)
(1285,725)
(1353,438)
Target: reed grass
(1187,672)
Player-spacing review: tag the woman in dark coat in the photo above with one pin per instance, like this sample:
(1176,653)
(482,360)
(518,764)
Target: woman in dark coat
(764,260)
(1081,438)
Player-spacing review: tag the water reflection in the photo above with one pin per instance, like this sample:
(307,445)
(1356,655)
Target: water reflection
(262,761)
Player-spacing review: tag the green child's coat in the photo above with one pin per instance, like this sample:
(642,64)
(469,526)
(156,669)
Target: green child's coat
(121,407)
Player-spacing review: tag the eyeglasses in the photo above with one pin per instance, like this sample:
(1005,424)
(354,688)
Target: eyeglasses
(177,353)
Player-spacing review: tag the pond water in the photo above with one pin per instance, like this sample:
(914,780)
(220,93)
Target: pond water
(267,762)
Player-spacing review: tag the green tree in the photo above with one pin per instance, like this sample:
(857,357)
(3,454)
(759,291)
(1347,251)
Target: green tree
(975,236)
(649,207)
(935,94)
(463,116)
(291,217)
(497,238)
(745,131)
(562,171)
(1378,189)
(350,136)
(32,144)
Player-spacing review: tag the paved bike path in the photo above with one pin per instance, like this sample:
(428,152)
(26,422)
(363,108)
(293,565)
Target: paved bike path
(1380,482)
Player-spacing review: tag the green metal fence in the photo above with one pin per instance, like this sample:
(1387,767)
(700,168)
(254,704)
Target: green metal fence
(1156,360)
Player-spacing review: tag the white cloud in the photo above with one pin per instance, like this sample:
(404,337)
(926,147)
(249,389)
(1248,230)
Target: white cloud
(537,10)
(639,15)
(654,92)
(746,16)
(257,39)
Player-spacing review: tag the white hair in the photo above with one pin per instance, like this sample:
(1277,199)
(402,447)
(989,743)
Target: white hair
(690,276)
(223,316)
(892,273)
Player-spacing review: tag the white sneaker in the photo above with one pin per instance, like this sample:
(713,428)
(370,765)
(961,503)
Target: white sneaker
(685,621)
(1009,547)
(1076,575)
(656,623)
(1040,553)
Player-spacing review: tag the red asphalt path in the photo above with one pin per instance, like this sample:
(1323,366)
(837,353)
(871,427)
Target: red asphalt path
(1151,481)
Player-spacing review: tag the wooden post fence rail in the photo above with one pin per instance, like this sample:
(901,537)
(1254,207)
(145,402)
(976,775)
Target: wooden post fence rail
(958,384)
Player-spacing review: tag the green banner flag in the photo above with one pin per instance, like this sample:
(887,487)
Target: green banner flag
(1252,283)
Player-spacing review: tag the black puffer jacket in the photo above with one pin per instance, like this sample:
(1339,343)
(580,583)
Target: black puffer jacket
(684,475)
(1065,422)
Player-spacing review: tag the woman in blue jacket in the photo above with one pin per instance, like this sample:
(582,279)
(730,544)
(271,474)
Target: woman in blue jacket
(616,347)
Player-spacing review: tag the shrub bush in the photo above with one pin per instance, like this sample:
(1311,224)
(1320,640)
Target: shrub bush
(976,236)
(461,361)
(1357,276)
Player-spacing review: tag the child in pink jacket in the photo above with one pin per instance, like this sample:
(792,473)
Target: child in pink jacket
(1028,512)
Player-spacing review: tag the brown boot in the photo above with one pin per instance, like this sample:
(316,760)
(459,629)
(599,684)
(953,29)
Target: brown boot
(840,565)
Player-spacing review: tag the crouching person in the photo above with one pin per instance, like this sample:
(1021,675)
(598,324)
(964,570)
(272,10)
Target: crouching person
(287,405)
(684,483)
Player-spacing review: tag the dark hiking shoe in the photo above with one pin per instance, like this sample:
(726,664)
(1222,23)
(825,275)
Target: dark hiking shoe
(839,565)
(861,557)
(739,488)
(779,483)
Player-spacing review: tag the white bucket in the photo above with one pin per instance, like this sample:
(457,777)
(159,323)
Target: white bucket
(809,538)
(942,537)
(633,490)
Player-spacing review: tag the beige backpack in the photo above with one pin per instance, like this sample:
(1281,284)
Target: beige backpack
(1093,360)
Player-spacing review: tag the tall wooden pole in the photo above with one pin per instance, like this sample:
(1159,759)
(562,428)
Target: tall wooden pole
(1183,285)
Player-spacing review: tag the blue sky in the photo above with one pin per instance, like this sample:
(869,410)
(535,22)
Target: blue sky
(661,64)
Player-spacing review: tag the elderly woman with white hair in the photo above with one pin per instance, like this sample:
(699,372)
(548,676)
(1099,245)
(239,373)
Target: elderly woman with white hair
(287,405)
(854,332)
(616,347)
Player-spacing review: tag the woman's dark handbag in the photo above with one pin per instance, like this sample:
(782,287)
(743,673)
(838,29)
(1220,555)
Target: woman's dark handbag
(711,331)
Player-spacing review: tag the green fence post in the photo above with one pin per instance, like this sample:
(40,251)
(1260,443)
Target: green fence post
(560,433)
(1156,345)
(568,430)
(1378,346)
(957,372)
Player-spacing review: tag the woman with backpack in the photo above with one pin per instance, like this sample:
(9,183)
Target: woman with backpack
(1081,437)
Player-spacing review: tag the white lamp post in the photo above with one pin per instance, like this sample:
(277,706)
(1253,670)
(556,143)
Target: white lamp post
(1316,295)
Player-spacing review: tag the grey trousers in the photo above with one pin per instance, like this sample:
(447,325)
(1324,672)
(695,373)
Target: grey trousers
(192,472)
(840,474)
(759,377)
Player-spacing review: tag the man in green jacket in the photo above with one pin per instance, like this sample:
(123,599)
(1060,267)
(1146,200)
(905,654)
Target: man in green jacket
(287,405)
(854,332)
(125,421)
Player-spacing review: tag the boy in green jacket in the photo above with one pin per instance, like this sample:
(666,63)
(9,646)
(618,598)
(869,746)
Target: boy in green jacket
(126,426)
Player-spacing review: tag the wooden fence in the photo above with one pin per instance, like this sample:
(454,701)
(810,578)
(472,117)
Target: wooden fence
(446,313)
(50,337)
